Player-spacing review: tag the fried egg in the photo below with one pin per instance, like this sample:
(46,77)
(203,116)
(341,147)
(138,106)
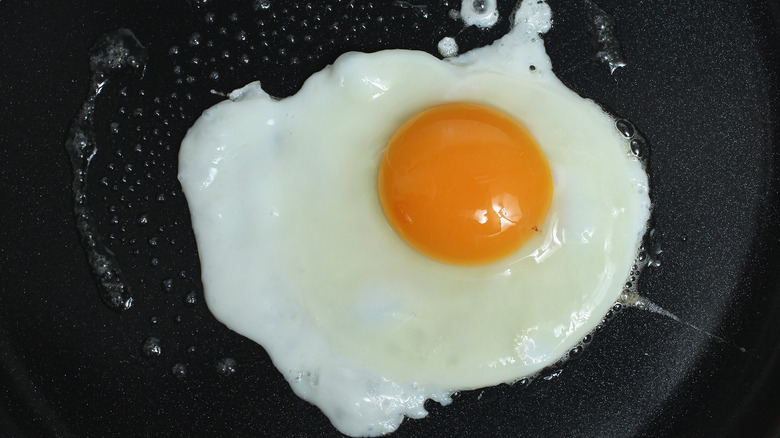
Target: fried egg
(406,227)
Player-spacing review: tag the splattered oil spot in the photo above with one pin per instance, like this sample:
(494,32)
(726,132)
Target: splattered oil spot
(115,53)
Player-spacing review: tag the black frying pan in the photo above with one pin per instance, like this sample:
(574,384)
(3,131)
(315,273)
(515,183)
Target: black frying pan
(701,84)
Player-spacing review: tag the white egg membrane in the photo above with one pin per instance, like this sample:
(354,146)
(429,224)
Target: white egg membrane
(447,47)
(298,256)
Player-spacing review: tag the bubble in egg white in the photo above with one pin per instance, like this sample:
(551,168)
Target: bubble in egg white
(480,13)
(297,255)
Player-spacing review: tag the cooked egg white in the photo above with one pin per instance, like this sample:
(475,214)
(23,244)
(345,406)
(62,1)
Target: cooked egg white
(298,255)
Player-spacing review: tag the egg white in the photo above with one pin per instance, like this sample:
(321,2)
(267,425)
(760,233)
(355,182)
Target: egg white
(297,255)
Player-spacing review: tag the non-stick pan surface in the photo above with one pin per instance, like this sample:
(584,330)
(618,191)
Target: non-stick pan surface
(701,83)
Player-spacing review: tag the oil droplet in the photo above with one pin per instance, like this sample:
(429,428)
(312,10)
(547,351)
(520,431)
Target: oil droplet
(167,284)
(195,39)
(191,298)
(151,347)
(226,367)
(261,4)
(179,370)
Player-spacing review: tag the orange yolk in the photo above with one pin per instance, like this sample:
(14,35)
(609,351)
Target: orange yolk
(465,184)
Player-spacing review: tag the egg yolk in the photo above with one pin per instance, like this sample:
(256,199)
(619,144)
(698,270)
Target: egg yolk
(465,184)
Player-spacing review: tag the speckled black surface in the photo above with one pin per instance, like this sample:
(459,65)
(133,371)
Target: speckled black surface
(701,84)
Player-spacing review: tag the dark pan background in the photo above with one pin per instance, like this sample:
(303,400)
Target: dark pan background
(701,84)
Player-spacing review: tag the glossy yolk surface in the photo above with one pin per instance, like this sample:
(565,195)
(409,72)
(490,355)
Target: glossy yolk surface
(465,184)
